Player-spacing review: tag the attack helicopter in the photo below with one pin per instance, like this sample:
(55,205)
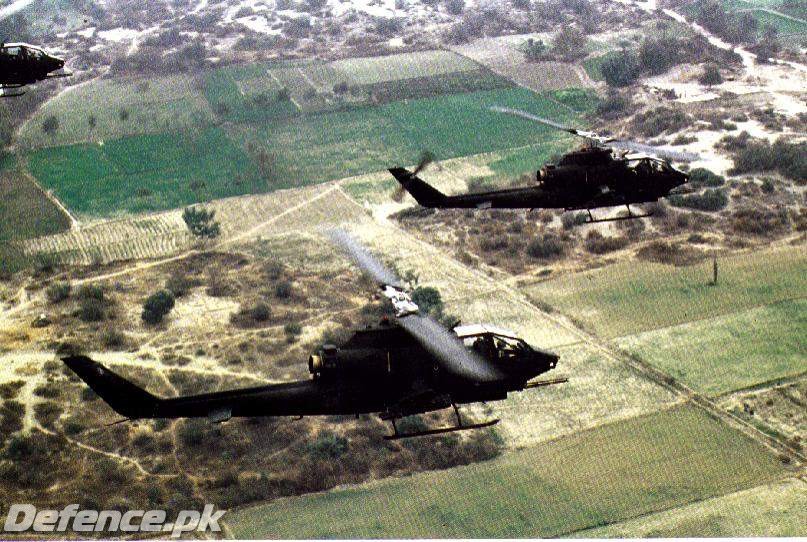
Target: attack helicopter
(407,364)
(22,64)
(591,177)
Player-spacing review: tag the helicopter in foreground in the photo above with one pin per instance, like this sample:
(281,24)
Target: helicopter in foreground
(591,177)
(22,64)
(407,364)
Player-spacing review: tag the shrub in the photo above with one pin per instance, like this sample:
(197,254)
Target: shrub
(709,200)
(704,177)
(545,246)
(179,284)
(710,76)
(790,159)
(50,124)
(157,306)
(495,242)
(621,69)
(614,105)
(662,119)
(201,222)
(284,289)
(251,316)
(570,220)
(293,328)
(91,310)
(328,445)
(756,221)
(58,292)
(767,186)
(91,291)
(596,243)
(428,299)
(112,337)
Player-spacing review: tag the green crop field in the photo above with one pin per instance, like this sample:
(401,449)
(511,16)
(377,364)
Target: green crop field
(596,477)
(25,212)
(247,93)
(636,296)
(146,173)
(118,108)
(380,69)
(731,352)
(774,510)
(318,148)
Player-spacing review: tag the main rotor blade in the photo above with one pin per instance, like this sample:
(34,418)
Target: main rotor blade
(448,349)
(366,261)
(665,154)
(536,118)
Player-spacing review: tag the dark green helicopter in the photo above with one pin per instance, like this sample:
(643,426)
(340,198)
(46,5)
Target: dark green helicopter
(22,64)
(588,178)
(407,364)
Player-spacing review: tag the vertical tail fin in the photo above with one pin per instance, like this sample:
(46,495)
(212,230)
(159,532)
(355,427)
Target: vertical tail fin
(124,397)
(424,194)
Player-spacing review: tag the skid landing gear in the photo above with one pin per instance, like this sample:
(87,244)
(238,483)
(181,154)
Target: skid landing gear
(459,427)
(630,216)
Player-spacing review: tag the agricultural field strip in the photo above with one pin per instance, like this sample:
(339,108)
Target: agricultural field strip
(760,501)
(549,489)
(641,367)
(714,316)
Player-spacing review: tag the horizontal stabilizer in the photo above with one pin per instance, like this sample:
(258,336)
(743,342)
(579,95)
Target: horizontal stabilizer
(125,398)
(425,194)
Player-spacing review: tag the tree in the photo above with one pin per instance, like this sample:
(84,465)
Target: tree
(710,76)
(123,114)
(428,299)
(534,50)
(157,306)
(92,122)
(570,43)
(620,69)
(50,124)
(201,222)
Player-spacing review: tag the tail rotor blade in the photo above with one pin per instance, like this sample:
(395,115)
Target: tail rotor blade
(426,158)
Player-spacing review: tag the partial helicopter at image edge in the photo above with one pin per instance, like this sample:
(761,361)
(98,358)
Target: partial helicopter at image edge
(407,364)
(585,179)
(22,64)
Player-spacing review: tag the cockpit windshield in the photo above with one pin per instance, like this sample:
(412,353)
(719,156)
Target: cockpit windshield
(497,347)
(648,165)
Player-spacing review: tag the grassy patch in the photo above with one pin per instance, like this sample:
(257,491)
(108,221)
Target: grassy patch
(147,172)
(592,478)
(632,297)
(730,352)
(770,510)
(94,111)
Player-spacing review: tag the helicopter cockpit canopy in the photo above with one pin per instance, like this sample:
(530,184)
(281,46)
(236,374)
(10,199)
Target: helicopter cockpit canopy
(493,343)
(648,164)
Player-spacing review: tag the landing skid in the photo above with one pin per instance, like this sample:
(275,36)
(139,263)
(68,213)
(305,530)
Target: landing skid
(459,427)
(6,94)
(631,216)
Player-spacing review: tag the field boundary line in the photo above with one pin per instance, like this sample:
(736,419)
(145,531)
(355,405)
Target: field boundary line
(50,195)
(279,82)
(768,385)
